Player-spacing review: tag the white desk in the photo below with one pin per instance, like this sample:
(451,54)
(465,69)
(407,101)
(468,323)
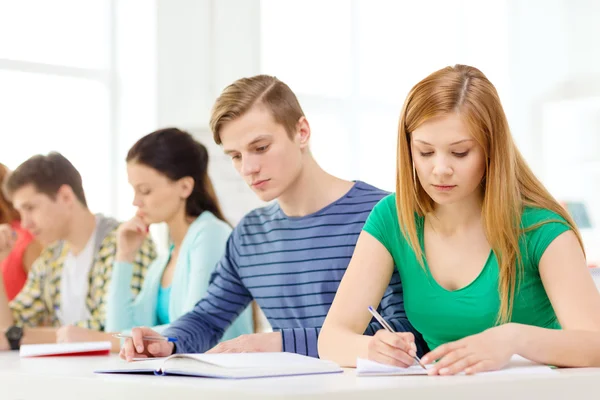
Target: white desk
(72,378)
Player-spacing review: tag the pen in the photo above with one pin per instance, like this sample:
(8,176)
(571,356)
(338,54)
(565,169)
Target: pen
(157,338)
(388,328)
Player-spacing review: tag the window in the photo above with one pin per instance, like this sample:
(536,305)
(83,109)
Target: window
(56,79)
(353,64)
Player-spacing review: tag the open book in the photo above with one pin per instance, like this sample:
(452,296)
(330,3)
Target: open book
(228,365)
(65,349)
(517,365)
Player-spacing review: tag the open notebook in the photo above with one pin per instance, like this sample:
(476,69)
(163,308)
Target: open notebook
(228,365)
(517,365)
(65,349)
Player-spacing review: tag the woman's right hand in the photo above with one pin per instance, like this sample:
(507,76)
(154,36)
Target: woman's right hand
(130,236)
(137,347)
(390,348)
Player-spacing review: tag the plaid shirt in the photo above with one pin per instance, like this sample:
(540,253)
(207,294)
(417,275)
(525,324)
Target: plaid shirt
(35,305)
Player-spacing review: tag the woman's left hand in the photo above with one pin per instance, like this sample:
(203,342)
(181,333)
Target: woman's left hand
(487,351)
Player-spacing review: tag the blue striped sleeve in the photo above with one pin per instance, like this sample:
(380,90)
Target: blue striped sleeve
(304,340)
(301,340)
(201,329)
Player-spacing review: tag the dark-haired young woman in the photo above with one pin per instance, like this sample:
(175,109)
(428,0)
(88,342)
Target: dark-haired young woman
(168,172)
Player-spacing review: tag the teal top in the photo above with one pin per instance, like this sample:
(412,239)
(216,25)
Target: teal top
(162,305)
(201,249)
(442,315)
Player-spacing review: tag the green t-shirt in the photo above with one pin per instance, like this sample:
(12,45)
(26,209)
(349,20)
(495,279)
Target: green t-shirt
(444,316)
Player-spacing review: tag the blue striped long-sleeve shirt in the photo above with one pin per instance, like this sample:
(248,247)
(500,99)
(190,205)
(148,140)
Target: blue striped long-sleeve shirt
(292,267)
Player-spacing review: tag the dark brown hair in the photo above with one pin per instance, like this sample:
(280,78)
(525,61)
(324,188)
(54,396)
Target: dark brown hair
(47,173)
(176,154)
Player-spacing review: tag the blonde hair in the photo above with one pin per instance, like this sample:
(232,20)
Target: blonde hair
(509,184)
(243,94)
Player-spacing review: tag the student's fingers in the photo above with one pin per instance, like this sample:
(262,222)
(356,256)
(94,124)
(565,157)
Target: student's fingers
(399,340)
(398,351)
(137,336)
(385,358)
(413,349)
(133,226)
(128,353)
(160,349)
(127,226)
(154,348)
(458,365)
(220,348)
(441,351)
(235,350)
(141,217)
(397,354)
(60,333)
(138,220)
(408,337)
(128,350)
(481,366)
(140,226)
(449,359)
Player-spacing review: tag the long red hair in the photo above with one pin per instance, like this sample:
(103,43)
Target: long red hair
(510,185)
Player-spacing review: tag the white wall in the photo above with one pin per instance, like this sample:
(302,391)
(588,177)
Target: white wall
(169,59)
(553,57)
(546,56)
(172,67)
(172,58)
(538,63)
(57,88)
(135,103)
(555,79)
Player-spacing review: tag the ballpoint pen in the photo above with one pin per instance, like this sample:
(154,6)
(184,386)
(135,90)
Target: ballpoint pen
(157,338)
(388,328)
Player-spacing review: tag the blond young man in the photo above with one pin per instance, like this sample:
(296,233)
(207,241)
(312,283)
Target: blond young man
(288,256)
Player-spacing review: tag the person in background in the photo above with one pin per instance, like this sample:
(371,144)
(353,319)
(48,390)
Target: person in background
(18,248)
(491,264)
(67,283)
(288,256)
(168,171)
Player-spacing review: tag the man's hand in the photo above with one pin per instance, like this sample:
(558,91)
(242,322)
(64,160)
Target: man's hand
(137,347)
(269,342)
